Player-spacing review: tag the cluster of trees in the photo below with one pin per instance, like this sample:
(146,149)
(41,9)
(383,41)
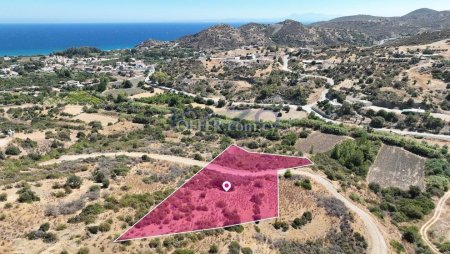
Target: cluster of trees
(79,52)
(402,205)
(438,176)
(356,155)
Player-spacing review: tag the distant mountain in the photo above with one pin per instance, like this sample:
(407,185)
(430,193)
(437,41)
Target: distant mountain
(353,30)
(286,33)
(418,21)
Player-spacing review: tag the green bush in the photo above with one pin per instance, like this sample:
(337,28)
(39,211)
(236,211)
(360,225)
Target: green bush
(356,155)
(74,182)
(26,195)
(183,251)
(213,249)
(104,227)
(236,228)
(3,197)
(48,237)
(12,150)
(246,250)
(83,250)
(234,248)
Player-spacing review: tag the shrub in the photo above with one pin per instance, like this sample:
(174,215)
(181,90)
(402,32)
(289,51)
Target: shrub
(74,182)
(104,227)
(287,174)
(410,234)
(93,229)
(49,237)
(61,227)
(3,197)
(377,122)
(246,250)
(26,195)
(375,187)
(183,251)
(398,247)
(83,250)
(88,214)
(12,150)
(45,227)
(305,184)
(234,248)
(213,249)
(154,243)
(236,228)
(300,222)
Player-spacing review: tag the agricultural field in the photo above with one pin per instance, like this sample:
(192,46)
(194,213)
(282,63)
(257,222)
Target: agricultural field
(318,142)
(395,167)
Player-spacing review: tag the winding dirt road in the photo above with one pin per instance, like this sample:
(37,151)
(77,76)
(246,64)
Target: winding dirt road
(437,213)
(377,244)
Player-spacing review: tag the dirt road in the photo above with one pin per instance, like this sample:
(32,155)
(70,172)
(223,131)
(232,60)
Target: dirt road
(377,243)
(437,213)
(171,158)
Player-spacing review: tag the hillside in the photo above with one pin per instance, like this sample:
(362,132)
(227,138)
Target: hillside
(286,33)
(421,20)
(354,30)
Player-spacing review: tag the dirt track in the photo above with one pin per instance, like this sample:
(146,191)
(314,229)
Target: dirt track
(437,213)
(176,159)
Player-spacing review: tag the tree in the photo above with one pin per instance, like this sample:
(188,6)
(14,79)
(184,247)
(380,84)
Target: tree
(159,77)
(221,103)
(375,187)
(289,139)
(102,85)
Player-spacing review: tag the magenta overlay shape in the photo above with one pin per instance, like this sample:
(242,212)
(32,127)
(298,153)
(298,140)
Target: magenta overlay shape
(202,203)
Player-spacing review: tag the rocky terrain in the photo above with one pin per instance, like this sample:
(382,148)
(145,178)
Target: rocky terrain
(380,28)
(362,30)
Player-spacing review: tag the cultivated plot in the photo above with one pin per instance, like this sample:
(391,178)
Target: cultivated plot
(395,167)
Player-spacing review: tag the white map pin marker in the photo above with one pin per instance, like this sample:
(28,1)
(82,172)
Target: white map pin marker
(226,186)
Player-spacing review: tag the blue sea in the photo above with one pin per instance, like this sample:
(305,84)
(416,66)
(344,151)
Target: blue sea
(34,39)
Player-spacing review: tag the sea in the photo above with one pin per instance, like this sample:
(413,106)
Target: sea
(42,39)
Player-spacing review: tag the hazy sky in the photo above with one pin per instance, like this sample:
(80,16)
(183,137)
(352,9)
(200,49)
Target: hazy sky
(45,11)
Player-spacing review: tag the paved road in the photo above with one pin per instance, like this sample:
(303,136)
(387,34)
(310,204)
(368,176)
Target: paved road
(377,242)
(437,213)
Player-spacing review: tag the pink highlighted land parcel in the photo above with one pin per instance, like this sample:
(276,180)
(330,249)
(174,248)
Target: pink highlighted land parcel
(202,202)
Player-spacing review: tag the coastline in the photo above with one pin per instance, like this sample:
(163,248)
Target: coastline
(43,39)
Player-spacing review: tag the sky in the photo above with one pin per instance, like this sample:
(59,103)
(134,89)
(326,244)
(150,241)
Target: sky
(117,11)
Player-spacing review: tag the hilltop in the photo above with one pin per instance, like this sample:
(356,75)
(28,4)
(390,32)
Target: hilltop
(379,28)
(286,33)
(355,30)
